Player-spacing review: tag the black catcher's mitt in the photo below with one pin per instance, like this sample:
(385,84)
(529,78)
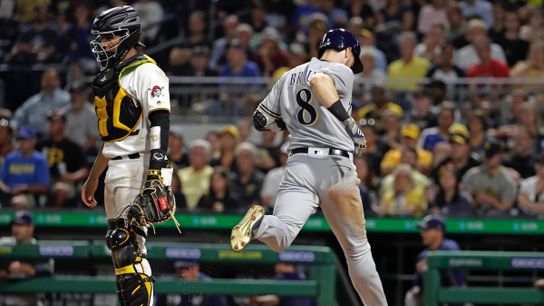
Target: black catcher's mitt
(155,204)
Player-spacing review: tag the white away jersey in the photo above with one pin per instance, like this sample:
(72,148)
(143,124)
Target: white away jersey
(309,123)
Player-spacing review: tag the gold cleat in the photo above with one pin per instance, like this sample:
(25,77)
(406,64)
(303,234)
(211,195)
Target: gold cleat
(242,233)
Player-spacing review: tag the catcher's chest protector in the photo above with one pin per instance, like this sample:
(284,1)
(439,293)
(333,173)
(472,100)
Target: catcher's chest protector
(118,113)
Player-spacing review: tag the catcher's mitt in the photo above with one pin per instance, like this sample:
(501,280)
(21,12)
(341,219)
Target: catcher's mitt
(155,204)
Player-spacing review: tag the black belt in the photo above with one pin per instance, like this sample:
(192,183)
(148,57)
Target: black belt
(131,156)
(332,151)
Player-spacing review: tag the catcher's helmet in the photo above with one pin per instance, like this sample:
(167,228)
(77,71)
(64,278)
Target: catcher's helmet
(122,21)
(340,39)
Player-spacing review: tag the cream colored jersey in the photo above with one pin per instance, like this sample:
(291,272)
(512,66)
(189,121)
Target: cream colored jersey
(147,84)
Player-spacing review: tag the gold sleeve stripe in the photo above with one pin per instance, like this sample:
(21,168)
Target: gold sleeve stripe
(271,113)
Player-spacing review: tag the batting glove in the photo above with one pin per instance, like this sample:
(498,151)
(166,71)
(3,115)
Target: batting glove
(357,135)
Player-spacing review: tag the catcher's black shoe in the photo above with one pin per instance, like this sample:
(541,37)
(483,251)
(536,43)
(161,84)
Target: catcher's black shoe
(242,233)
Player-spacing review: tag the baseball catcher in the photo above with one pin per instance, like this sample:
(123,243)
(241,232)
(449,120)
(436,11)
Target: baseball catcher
(132,104)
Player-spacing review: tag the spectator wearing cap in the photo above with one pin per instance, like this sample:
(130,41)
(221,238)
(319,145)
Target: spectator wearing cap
(24,175)
(531,192)
(195,179)
(6,134)
(433,230)
(491,185)
(34,111)
(273,178)
(409,134)
(81,119)
(430,137)
(459,155)
(379,103)
(229,137)
(368,41)
(189,271)
(246,181)
(449,199)
(199,65)
(66,161)
(22,233)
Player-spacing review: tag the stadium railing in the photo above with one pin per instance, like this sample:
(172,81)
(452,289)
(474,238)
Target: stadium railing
(434,294)
(321,262)
(316,223)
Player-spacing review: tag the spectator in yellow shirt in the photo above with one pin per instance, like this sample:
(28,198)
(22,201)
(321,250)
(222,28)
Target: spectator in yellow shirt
(409,135)
(195,179)
(404,198)
(404,73)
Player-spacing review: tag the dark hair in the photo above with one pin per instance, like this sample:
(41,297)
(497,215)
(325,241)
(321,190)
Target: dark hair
(224,173)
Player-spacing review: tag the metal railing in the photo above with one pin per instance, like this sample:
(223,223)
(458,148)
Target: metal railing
(220,99)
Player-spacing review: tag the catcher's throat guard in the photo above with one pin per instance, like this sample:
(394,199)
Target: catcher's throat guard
(155,204)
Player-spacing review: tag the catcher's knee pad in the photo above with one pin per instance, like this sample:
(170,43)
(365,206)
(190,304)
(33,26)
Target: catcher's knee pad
(121,240)
(132,270)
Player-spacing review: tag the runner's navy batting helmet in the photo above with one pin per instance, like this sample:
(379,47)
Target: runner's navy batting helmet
(340,39)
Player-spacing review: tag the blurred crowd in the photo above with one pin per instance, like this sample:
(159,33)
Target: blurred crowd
(451,100)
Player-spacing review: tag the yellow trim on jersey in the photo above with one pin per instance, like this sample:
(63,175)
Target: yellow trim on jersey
(137,63)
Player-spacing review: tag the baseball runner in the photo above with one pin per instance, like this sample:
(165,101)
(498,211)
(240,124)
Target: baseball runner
(313,101)
(132,103)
